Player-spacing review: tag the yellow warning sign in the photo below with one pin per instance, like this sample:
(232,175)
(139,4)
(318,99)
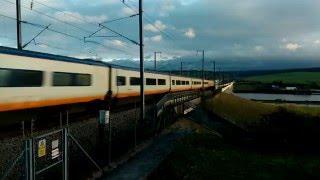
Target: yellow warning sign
(42,148)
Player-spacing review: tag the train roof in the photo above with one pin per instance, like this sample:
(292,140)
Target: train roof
(41,55)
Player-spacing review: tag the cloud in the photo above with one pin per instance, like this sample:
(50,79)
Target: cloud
(127,11)
(258,48)
(210,24)
(166,7)
(292,46)
(187,2)
(190,33)
(118,43)
(75,17)
(156,38)
(158,25)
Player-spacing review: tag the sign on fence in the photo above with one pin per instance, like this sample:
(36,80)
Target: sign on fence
(42,148)
(104,117)
(47,152)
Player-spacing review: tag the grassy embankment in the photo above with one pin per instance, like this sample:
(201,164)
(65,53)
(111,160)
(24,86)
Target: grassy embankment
(262,83)
(283,123)
(205,156)
(249,114)
(289,78)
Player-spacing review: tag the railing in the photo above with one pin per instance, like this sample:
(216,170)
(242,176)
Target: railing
(174,99)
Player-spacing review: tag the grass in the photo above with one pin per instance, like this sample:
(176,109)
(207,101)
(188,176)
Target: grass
(246,113)
(204,156)
(240,111)
(289,78)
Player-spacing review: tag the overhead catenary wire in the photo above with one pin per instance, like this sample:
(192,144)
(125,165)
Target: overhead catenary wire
(151,22)
(119,19)
(52,30)
(82,19)
(65,34)
(86,31)
(72,25)
(51,17)
(33,39)
(147,19)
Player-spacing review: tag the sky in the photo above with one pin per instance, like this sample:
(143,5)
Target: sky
(229,30)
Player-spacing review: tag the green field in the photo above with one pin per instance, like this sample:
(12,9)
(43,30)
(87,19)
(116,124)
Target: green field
(251,114)
(283,155)
(289,78)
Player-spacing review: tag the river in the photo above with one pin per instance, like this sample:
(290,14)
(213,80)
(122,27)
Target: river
(300,99)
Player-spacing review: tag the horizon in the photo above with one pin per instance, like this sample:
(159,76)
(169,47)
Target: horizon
(234,33)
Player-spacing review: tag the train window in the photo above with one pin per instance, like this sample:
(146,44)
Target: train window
(205,82)
(187,82)
(82,79)
(173,82)
(150,81)
(71,79)
(178,82)
(183,82)
(20,78)
(161,82)
(134,81)
(121,80)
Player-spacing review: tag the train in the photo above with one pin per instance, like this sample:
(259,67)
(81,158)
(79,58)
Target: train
(34,80)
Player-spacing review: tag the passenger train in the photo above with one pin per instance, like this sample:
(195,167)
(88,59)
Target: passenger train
(33,80)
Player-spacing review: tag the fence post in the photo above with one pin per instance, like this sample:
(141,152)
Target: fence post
(65,155)
(29,159)
(135,125)
(109,143)
(26,160)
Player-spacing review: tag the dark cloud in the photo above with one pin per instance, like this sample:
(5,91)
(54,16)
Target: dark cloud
(228,29)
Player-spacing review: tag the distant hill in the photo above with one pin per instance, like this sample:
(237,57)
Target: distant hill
(230,70)
(251,65)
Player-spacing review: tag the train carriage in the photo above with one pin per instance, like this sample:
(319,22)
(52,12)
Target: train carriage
(31,80)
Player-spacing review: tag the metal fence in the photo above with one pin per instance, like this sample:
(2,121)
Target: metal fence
(83,149)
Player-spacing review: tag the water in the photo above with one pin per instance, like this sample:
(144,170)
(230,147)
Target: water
(283,97)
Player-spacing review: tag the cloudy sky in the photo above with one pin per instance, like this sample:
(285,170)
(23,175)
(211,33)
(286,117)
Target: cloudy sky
(226,29)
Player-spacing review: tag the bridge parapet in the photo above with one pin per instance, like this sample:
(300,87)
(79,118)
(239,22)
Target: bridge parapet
(175,99)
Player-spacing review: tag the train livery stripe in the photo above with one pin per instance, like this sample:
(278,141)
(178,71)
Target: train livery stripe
(63,101)
(44,103)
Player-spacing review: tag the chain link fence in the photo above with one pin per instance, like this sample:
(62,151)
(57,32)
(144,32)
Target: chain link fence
(91,145)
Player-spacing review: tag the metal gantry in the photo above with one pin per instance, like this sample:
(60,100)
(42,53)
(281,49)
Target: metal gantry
(202,69)
(142,98)
(18,14)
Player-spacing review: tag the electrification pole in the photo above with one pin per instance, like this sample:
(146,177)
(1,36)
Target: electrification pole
(181,68)
(155,60)
(202,69)
(18,12)
(214,70)
(202,74)
(142,112)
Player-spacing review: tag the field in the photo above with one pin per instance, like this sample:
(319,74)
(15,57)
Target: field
(289,78)
(246,113)
(205,156)
(282,154)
